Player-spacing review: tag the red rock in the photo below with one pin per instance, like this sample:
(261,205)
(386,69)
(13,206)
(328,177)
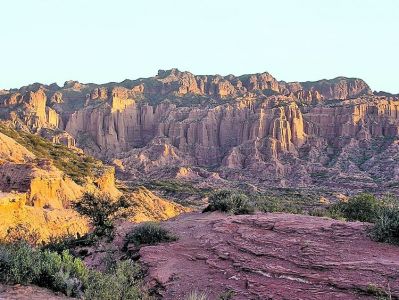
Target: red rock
(248,128)
(270,256)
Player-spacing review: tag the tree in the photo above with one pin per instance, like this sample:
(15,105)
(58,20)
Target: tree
(99,208)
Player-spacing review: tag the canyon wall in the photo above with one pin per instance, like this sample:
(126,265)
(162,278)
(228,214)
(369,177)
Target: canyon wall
(250,127)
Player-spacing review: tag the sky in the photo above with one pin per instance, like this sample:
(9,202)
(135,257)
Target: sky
(101,41)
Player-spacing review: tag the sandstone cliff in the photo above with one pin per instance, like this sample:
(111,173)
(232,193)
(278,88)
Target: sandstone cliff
(250,127)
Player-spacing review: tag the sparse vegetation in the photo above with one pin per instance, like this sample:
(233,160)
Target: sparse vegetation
(149,233)
(384,213)
(74,164)
(230,202)
(363,207)
(181,192)
(287,200)
(71,242)
(266,203)
(332,211)
(197,295)
(22,232)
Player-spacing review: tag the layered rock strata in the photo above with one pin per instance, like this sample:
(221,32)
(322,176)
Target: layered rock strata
(250,127)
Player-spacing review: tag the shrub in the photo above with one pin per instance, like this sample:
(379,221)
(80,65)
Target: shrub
(231,202)
(269,205)
(23,264)
(121,282)
(100,209)
(19,263)
(377,291)
(363,207)
(386,227)
(62,272)
(149,233)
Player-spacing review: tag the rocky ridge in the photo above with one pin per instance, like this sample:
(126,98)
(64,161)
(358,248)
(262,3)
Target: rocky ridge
(335,133)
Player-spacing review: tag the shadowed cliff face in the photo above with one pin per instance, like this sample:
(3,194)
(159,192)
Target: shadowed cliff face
(252,127)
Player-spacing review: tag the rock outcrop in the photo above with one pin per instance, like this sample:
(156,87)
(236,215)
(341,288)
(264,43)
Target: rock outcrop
(41,223)
(270,256)
(149,207)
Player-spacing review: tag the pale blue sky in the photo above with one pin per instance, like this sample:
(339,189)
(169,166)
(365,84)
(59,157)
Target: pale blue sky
(99,41)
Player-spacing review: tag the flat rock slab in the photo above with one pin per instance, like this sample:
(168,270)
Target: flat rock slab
(271,256)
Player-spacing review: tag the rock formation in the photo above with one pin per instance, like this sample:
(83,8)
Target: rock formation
(251,127)
(270,256)
(36,195)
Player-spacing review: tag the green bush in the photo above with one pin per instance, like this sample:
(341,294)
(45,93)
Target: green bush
(63,272)
(386,226)
(149,233)
(230,202)
(19,263)
(269,205)
(362,207)
(121,282)
(23,264)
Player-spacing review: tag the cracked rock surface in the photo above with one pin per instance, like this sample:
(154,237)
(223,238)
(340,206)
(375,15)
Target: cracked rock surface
(271,256)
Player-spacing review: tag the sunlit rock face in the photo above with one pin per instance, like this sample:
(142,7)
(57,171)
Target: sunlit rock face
(251,127)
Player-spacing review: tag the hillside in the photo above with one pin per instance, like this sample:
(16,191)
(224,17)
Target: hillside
(40,180)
